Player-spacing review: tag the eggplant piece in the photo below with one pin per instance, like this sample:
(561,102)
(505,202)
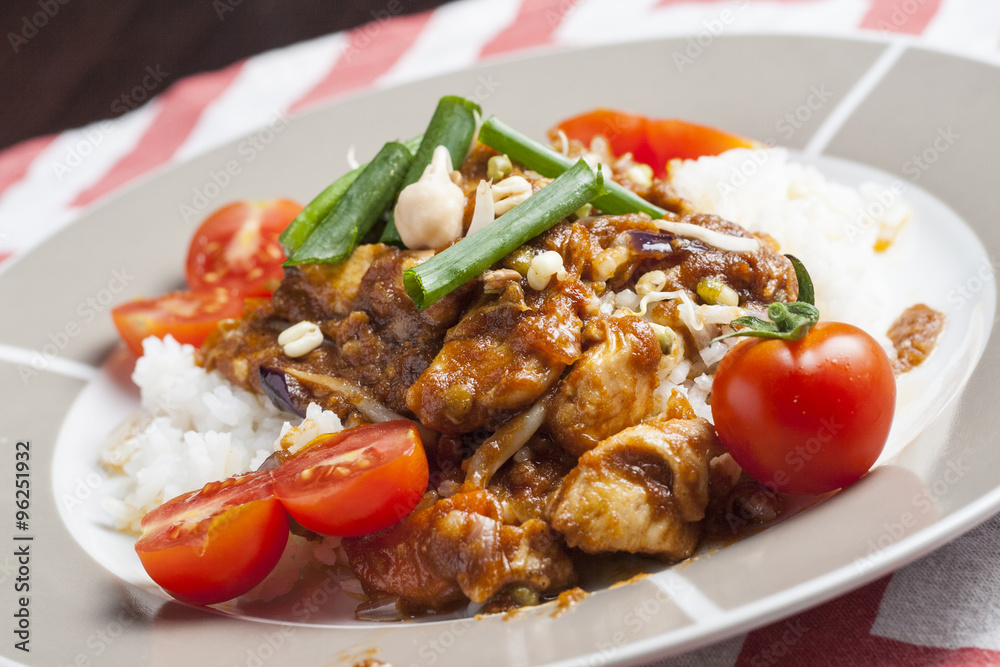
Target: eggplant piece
(285,391)
(653,245)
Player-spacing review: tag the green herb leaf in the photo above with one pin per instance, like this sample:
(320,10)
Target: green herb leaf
(789,321)
(806,292)
(429,281)
(755,323)
(453,125)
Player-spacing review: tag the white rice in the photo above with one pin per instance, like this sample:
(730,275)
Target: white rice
(195,428)
(820,222)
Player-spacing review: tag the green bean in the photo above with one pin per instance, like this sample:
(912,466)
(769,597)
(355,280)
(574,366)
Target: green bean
(361,206)
(429,281)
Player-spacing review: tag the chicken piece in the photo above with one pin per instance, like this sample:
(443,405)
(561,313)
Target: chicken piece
(610,388)
(385,343)
(662,193)
(394,315)
(524,484)
(759,278)
(382,344)
(643,490)
(628,246)
(458,548)
(502,356)
(318,292)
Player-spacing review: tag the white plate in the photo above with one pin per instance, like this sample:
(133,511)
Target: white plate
(92,604)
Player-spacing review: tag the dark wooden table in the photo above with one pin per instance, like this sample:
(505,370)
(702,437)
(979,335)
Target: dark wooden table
(65,63)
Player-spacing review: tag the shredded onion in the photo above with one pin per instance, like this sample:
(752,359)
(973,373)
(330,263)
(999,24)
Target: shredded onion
(382,609)
(709,236)
(485,210)
(504,444)
(362,401)
(689,314)
(352,160)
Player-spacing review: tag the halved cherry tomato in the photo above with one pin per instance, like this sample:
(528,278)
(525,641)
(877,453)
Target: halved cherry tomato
(650,140)
(806,416)
(237,247)
(215,544)
(356,481)
(187,316)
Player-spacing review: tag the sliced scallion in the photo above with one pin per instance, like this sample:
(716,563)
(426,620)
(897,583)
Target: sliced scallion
(359,208)
(549,163)
(299,229)
(429,281)
(453,125)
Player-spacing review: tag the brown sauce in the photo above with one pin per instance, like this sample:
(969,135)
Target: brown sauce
(914,334)
(567,599)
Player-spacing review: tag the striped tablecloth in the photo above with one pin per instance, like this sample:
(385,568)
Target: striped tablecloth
(943,609)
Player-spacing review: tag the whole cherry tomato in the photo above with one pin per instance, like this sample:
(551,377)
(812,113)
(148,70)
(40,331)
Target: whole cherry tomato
(806,416)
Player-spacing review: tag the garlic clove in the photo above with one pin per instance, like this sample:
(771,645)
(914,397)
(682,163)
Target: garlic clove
(429,213)
(485,211)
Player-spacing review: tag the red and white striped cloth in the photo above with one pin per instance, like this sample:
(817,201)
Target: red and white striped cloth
(943,609)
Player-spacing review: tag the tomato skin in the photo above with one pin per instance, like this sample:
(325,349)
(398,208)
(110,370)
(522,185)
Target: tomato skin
(807,416)
(217,543)
(187,316)
(367,497)
(237,247)
(652,141)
